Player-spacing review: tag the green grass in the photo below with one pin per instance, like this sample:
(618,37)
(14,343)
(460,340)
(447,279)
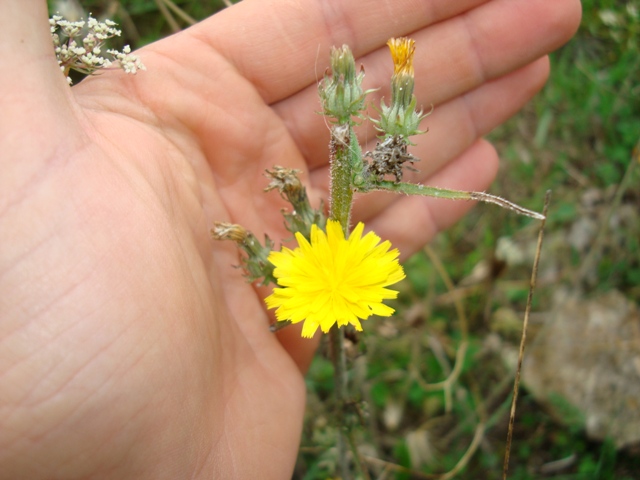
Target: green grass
(575,139)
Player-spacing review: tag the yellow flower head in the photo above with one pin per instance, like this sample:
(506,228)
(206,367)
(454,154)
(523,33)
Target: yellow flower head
(402,50)
(334,280)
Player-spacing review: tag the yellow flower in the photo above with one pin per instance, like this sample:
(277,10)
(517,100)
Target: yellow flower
(334,280)
(402,50)
(401,119)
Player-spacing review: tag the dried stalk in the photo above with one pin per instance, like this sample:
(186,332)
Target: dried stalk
(516,384)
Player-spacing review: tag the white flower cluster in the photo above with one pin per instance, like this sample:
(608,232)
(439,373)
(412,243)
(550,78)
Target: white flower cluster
(78,46)
(130,63)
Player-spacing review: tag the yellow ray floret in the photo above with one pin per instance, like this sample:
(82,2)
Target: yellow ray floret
(334,280)
(402,50)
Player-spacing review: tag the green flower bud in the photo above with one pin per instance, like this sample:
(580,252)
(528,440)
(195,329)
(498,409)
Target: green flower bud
(341,93)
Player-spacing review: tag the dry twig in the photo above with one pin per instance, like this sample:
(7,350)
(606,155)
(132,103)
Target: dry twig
(532,286)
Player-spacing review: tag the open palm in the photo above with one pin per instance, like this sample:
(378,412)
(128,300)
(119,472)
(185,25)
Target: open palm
(129,345)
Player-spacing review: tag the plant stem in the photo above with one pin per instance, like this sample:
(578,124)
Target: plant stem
(340,390)
(340,210)
(413,189)
(341,171)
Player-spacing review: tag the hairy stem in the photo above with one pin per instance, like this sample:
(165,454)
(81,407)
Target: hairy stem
(341,172)
(413,189)
(341,200)
(340,391)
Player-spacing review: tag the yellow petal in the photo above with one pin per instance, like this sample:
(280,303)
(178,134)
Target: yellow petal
(332,279)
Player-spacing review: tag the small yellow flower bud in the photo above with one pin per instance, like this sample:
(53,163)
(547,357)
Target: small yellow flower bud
(401,119)
(402,82)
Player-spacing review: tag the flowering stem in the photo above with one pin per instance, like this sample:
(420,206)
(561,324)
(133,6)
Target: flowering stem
(342,99)
(338,359)
(341,200)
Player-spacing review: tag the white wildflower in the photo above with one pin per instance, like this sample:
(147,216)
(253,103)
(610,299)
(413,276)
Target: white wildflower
(129,62)
(92,34)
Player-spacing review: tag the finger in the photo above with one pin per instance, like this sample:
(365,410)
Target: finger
(33,98)
(25,45)
(278,41)
(452,58)
(412,221)
(300,349)
(454,127)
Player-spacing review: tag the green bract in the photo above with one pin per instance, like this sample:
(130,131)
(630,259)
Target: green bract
(341,93)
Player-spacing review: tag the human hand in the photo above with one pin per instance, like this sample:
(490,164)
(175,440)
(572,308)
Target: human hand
(129,346)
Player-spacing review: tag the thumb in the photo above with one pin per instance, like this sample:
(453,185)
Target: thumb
(35,99)
(26,49)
